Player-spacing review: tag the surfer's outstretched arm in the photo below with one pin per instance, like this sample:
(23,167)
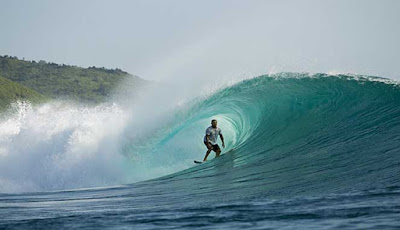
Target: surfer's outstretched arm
(222,139)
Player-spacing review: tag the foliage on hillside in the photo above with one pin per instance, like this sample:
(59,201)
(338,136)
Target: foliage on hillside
(63,81)
(12,91)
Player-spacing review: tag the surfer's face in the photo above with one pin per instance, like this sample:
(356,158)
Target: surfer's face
(214,124)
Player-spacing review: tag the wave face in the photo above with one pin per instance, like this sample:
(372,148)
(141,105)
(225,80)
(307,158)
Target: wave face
(295,133)
(287,135)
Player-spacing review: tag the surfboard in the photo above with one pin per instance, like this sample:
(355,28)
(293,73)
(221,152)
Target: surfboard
(198,162)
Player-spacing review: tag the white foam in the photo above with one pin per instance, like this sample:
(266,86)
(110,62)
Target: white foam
(60,146)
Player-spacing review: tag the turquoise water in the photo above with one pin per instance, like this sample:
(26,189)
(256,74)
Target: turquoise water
(302,151)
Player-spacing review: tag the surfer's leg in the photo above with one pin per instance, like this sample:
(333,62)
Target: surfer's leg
(217,150)
(217,153)
(207,153)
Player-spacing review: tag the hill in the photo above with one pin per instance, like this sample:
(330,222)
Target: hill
(63,81)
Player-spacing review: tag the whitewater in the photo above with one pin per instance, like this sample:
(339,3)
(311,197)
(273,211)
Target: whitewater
(302,151)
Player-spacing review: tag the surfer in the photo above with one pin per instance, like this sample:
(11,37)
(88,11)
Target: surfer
(210,139)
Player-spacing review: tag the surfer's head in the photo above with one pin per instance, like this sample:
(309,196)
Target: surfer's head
(214,123)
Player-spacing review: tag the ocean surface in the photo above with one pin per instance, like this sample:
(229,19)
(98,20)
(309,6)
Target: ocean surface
(302,152)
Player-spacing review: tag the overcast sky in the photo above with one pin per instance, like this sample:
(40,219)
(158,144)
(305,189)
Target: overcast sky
(182,39)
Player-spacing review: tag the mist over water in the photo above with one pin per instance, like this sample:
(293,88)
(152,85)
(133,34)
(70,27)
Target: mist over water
(66,145)
(61,146)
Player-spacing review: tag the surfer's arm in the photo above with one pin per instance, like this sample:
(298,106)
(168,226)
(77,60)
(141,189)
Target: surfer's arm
(222,139)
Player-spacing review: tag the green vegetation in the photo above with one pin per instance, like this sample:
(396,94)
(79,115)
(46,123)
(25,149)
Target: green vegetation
(12,91)
(89,85)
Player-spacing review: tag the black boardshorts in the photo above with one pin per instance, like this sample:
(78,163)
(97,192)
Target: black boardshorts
(214,147)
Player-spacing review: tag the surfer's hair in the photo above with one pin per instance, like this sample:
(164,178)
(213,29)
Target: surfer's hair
(213,120)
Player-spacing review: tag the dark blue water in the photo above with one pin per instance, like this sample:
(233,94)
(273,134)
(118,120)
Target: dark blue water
(149,206)
(302,152)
